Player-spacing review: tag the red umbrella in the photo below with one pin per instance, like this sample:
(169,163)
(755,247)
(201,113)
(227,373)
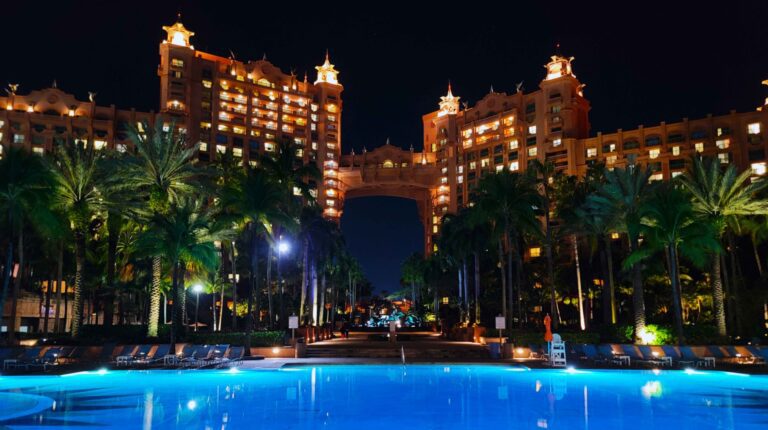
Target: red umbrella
(548,326)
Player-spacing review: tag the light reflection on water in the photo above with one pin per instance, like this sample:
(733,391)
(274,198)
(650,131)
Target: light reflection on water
(373,397)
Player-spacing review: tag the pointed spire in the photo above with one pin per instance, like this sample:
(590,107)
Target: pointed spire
(305,77)
(387,142)
(449,104)
(411,149)
(177,34)
(326,72)
(54,84)
(492,91)
(264,56)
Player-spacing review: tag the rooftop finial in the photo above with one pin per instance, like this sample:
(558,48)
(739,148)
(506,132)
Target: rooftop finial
(492,89)
(327,56)
(264,56)
(178,16)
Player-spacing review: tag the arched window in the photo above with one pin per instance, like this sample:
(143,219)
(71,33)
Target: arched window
(388,164)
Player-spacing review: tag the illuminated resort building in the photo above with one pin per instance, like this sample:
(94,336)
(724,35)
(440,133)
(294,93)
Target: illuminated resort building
(243,108)
(506,131)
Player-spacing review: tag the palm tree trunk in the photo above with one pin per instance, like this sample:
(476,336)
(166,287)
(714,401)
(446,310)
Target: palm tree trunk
(16,289)
(638,299)
(48,293)
(727,296)
(551,271)
(313,275)
(154,296)
(477,288)
(716,282)
(304,279)
(510,287)
(736,278)
(269,288)
(466,287)
(611,286)
(322,298)
(503,280)
(7,278)
(176,311)
(254,280)
(221,309)
(758,261)
(462,310)
(671,254)
(234,287)
(58,326)
(77,307)
(582,322)
(109,299)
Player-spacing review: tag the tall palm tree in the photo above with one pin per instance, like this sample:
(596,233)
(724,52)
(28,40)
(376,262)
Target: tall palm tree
(545,175)
(76,175)
(23,197)
(670,225)
(511,201)
(621,198)
(254,203)
(162,171)
(722,196)
(413,273)
(286,168)
(455,244)
(185,235)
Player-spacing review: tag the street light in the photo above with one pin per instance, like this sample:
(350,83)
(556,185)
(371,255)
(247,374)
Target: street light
(197,288)
(283,247)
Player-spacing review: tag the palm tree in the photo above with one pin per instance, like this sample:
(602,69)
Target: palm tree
(286,169)
(162,170)
(670,225)
(511,201)
(722,196)
(253,202)
(455,244)
(23,181)
(75,174)
(184,235)
(621,198)
(545,177)
(413,273)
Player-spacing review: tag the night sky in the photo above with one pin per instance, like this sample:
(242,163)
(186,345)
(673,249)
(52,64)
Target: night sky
(643,62)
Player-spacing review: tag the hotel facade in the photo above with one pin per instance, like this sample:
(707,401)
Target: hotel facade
(248,108)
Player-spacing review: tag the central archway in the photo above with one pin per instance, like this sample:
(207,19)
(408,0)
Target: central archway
(390,171)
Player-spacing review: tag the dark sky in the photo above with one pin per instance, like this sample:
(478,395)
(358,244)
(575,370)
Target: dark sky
(643,62)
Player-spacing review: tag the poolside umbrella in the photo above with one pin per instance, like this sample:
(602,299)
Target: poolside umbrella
(548,327)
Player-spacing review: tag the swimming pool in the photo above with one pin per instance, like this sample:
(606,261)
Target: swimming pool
(387,397)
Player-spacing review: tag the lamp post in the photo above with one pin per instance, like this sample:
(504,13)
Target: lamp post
(283,247)
(197,288)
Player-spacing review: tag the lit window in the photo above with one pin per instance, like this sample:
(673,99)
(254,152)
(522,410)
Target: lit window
(121,147)
(269,147)
(434,229)
(99,144)
(485,162)
(654,153)
(699,146)
(513,144)
(753,128)
(472,165)
(314,145)
(611,147)
(724,157)
(721,131)
(203,146)
(299,152)
(297,192)
(675,150)
(535,252)
(676,174)
(444,180)
(656,177)
(18,138)
(723,143)
(207,84)
(221,149)
(591,152)
(532,129)
(514,166)
(615,235)
(175,62)
(460,169)
(460,179)
(38,150)
(330,203)
(759,168)
(500,167)
(611,159)
(532,152)
(558,142)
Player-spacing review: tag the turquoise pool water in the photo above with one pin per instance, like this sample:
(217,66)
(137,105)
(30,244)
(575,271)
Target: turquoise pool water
(387,397)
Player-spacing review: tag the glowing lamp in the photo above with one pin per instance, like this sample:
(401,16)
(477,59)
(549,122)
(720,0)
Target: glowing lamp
(197,288)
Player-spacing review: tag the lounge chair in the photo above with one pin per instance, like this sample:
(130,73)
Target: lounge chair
(672,352)
(155,356)
(49,358)
(137,353)
(26,356)
(690,358)
(217,355)
(756,354)
(654,358)
(611,357)
(173,359)
(72,355)
(199,356)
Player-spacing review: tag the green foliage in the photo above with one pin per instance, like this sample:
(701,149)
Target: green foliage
(258,338)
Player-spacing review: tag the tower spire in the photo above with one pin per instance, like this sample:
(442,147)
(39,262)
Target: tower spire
(449,104)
